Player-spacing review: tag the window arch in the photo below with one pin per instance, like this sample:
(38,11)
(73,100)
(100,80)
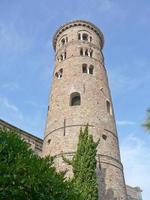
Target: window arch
(81,52)
(59,73)
(84,68)
(91,69)
(75,99)
(91,53)
(79,36)
(86,52)
(108,107)
(63,41)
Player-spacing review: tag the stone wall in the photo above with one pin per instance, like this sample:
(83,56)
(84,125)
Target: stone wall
(96,109)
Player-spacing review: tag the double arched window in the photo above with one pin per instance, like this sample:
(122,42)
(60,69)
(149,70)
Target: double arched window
(87,69)
(59,73)
(84,37)
(75,99)
(86,52)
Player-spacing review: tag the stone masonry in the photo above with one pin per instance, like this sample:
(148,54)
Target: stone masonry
(80,94)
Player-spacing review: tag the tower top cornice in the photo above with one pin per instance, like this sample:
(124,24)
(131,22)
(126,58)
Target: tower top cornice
(82,23)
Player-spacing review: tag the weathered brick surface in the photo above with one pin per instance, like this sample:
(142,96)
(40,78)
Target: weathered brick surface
(64,121)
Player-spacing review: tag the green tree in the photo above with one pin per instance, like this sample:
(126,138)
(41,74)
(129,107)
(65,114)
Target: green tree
(26,176)
(146,125)
(84,167)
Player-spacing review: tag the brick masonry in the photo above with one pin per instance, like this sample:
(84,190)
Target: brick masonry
(64,121)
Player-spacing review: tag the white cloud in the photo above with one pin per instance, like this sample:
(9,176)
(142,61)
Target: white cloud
(9,109)
(124,122)
(9,86)
(135,154)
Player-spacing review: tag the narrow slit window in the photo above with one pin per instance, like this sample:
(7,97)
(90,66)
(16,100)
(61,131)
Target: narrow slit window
(65,55)
(104,137)
(108,106)
(49,141)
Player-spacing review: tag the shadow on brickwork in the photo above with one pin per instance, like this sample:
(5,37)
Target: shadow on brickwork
(104,194)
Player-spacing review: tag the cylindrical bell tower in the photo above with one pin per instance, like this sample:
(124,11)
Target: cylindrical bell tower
(80,94)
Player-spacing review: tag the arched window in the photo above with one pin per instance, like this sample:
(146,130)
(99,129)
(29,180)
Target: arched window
(59,74)
(91,69)
(75,99)
(84,68)
(91,53)
(63,41)
(86,52)
(90,39)
(108,106)
(79,36)
(81,52)
(61,57)
(85,36)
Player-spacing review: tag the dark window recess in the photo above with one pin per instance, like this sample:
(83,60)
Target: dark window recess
(79,36)
(61,57)
(49,141)
(65,55)
(91,69)
(108,107)
(84,68)
(86,52)
(75,99)
(85,36)
(81,52)
(104,137)
(91,54)
(48,107)
(63,41)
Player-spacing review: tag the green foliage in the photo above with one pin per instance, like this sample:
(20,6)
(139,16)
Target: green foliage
(146,125)
(25,176)
(84,167)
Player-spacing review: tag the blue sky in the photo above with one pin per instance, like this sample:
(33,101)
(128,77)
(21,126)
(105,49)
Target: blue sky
(27,61)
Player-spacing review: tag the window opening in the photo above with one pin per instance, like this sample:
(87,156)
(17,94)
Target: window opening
(75,99)
(63,41)
(104,137)
(108,107)
(91,69)
(81,52)
(84,68)
(86,52)
(85,36)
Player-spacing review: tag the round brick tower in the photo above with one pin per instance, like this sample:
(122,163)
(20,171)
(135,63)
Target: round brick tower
(80,94)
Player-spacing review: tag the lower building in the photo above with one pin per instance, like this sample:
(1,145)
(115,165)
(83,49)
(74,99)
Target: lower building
(36,143)
(134,193)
